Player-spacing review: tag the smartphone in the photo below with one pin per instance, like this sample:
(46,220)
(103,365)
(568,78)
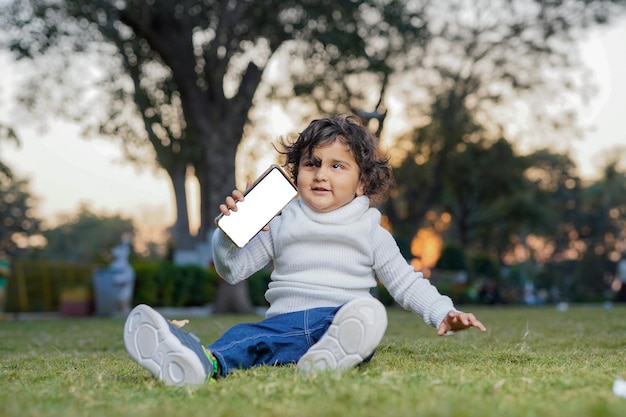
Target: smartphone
(266,198)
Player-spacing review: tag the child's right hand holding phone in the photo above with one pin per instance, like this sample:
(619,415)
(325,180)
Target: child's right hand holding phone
(230,204)
(269,194)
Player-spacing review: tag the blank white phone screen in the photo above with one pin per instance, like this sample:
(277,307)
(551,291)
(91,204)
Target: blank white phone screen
(264,201)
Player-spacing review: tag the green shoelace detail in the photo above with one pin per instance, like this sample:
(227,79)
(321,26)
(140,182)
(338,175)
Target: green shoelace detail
(213,360)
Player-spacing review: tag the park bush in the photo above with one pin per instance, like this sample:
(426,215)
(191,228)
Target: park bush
(167,284)
(483,265)
(452,258)
(36,285)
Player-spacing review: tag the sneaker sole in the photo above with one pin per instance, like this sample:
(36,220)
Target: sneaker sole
(354,334)
(150,343)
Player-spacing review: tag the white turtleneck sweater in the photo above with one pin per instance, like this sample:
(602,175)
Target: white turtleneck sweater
(327,259)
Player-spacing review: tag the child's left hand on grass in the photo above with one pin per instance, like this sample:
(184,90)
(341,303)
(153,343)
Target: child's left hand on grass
(458,320)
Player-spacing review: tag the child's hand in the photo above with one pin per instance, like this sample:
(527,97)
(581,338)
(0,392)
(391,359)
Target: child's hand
(457,320)
(231,205)
(231,202)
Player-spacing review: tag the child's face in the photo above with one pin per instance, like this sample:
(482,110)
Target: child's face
(330,179)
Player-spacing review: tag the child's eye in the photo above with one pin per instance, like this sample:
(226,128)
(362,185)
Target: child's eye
(312,162)
(337,166)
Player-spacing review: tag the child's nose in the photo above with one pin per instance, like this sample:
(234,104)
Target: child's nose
(320,174)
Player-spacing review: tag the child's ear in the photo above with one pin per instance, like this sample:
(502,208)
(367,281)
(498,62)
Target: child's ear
(360,189)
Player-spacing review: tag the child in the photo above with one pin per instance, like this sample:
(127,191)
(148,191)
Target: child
(328,249)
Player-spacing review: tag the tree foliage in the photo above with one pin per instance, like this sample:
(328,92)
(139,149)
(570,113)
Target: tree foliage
(85,237)
(482,190)
(18,221)
(190,70)
(557,190)
(6,134)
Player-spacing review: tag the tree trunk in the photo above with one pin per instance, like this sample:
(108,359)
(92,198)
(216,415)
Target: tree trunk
(217,180)
(232,298)
(180,231)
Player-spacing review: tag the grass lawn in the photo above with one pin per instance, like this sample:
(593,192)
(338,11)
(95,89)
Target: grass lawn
(532,362)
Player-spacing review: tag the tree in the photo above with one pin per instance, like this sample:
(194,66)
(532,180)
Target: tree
(601,229)
(6,134)
(18,222)
(484,57)
(482,181)
(558,190)
(191,69)
(605,210)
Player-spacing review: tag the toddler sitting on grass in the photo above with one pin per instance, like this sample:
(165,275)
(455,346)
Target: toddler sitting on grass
(328,249)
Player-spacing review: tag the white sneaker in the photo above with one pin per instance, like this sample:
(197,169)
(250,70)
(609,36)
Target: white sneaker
(170,354)
(354,334)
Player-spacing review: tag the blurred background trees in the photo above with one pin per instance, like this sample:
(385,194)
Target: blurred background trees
(18,222)
(85,237)
(449,86)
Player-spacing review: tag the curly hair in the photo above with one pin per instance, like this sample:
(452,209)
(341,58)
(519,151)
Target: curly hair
(374,169)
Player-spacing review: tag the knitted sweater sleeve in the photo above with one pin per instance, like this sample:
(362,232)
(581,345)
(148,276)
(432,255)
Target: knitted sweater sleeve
(408,287)
(235,264)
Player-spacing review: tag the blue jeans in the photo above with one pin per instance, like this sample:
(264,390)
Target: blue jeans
(278,340)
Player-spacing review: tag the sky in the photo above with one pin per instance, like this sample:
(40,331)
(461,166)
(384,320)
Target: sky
(66,170)
(605,51)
